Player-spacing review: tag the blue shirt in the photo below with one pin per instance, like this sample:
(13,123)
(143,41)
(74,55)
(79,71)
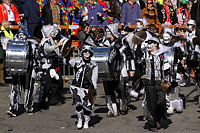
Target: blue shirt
(106,22)
(129,14)
(93,13)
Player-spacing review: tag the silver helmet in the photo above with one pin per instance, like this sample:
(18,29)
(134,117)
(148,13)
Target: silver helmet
(113,29)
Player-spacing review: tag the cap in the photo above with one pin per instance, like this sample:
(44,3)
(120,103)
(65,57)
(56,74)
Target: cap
(153,39)
(126,28)
(111,14)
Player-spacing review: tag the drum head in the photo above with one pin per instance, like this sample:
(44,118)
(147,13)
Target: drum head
(67,47)
(139,37)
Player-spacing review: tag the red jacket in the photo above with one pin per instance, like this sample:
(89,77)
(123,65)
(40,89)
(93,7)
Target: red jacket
(4,13)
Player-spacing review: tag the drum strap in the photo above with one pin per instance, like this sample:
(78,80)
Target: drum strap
(152,69)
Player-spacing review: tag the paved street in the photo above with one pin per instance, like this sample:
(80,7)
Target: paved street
(62,119)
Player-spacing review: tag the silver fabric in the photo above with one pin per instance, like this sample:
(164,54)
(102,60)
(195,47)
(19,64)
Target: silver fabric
(113,29)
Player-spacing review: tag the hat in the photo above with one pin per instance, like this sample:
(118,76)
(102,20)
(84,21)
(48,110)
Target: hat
(111,14)
(21,30)
(169,31)
(149,1)
(143,20)
(153,39)
(113,29)
(87,48)
(191,22)
(183,1)
(126,28)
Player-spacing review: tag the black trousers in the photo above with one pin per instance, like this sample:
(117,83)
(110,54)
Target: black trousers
(32,29)
(110,87)
(54,86)
(122,90)
(156,103)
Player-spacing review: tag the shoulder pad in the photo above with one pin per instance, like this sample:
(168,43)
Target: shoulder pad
(94,63)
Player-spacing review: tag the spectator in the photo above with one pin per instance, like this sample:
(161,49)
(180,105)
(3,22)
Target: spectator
(166,14)
(141,4)
(150,13)
(183,14)
(9,12)
(6,29)
(32,15)
(51,13)
(110,19)
(95,13)
(193,12)
(21,4)
(130,12)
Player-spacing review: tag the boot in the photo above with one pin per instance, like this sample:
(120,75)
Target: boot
(79,116)
(114,107)
(110,110)
(86,123)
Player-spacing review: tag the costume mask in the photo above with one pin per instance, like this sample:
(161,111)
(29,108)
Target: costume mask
(86,54)
(166,38)
(22,36)
(150,46)
(189,27)
(124,32)
(139,26)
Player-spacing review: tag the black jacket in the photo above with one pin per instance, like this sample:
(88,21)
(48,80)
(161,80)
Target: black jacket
(160,15)
(47,14)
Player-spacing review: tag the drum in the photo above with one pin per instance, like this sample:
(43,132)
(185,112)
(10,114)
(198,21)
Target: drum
(101,56)
(192,58)
(16,57)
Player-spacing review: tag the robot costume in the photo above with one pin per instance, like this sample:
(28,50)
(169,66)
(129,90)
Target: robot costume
(86,75)
(22,78)
(50,65)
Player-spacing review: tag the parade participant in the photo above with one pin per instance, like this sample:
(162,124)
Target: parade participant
(167,14)
(110,19)
(127,67)
(84,83)
(22,79)
(130,11)
(190,33)
(150,13)
(51,65)
(94,13)
(155,100)
(110,86)
(183,14)
(176,51)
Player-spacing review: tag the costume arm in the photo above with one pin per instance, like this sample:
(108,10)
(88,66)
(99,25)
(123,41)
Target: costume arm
(95,76)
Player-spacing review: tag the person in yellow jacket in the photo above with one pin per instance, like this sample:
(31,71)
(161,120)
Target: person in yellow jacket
(6,29)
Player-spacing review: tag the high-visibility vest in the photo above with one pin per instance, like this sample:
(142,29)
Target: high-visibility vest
(10,34)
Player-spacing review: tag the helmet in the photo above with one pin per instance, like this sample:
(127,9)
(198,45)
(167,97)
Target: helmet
(50,30)
(87,48)
(22,34)
(191,22)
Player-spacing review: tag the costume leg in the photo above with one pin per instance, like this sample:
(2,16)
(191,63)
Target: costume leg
(151,99)
(122,96)
(109,87)
(56,93)
(15,95)
(161,103)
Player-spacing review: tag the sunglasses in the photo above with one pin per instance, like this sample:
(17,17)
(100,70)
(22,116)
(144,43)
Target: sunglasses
(149,3)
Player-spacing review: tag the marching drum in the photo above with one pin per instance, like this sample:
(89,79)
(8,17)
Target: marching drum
(101,56)
(16,56)
(193,58)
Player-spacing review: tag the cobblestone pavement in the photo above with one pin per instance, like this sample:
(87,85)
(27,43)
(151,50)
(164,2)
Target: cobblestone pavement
(62,119)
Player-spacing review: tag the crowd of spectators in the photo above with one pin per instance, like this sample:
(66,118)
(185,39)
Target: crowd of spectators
(32,13)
